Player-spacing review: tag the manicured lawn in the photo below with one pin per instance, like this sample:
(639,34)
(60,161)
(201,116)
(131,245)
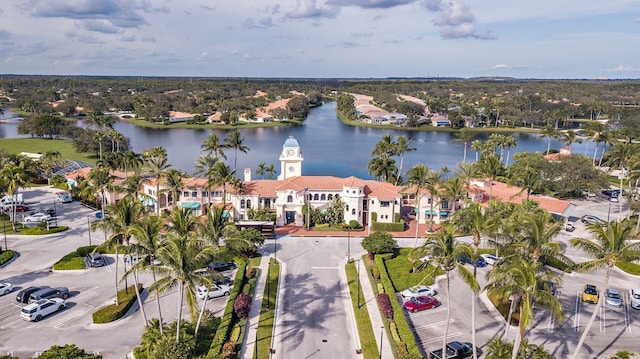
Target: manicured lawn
(265,326)
(145,123)
(401,271)
(39,145)
(629,267)
(365,330)
(503,307)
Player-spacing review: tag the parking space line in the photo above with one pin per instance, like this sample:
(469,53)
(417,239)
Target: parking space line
(90,308)
(603,320)
(425,313)
(552,321)
(439,339)
(10,324)
(576,314)
(433,325)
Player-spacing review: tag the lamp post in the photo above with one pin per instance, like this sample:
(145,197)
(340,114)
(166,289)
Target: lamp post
(275,252)
(126,286)
(348,243)
(89,227)
(268,277)
(381,333)
(609,213)
(4,230)
(55,216)
(358,275)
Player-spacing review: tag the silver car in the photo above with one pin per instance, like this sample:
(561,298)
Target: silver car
(613,297)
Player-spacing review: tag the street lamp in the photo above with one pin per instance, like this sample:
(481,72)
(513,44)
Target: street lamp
(348,243)
(126,286)
(609,213)
(4,230)
(268,277)
(89,227)
(381,332)
(55,215)
(358,275)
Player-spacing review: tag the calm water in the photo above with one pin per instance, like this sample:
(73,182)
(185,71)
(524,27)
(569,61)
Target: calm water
(328,146)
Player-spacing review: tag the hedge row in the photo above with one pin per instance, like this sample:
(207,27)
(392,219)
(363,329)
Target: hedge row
(402,326)
(629,267)
(36,231)
(74,260)
(388,227)
(114,312)
(6,256)
(229,317)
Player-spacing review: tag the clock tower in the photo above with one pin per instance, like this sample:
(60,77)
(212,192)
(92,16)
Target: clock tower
(290,159)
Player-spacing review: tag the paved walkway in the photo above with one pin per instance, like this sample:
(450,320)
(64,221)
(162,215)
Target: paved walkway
(250,334)
(410,232)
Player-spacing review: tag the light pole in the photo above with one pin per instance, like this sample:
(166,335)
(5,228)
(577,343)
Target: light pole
(381,332)
(348,243)
(55,215)
(358,275)
(126,286)
(268,277)
(609,213)
(89,227)
(4,230)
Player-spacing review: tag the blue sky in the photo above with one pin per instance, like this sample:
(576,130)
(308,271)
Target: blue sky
(322,38)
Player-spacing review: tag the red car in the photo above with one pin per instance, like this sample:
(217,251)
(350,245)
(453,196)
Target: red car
(19,208)
(420,303)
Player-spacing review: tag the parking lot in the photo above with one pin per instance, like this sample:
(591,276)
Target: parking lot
(90,289)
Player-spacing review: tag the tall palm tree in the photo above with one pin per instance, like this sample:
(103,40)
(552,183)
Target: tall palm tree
(156,167)
(528,282)
(122,215)
(417,178)
(13,177)
(221,176)
(385,147)
(455,190)
(213,146)
(99,138)
(402,146)
(446,254)
(509,142)
(491,167)
(271,170)
(433,185)
(537,237)
(147,243)
(549,133)
(465,136)
(262,167)
(235,140)
(205,167)
(182,258)
(610,243)
(619,156)
(569,137)
(156,151)
(477,145)
(173,182)
(131,161)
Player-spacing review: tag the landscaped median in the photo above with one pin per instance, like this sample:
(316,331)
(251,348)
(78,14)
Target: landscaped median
(74,260)
(113,312)
(5,256)
(267,312)
(363,321)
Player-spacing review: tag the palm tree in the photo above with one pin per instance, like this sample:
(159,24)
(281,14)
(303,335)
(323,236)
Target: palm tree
(465,136)
(477,145)
(401,148)
(528,282)
(491,167)
(213,146)
(131,161)
(220,176)
(509,141)
(156,151)
(156,167)
(235,140)
(122,215)
(271,170)
(147,243)
(385,147)
(537,234)
(173,183)
(456,190)
(569,137)
(182,259)
(417,178)
(619,156)
(99,137)
(446,254)
(205,166)
(262,167)
(610,243)
(549,133)
(13,177)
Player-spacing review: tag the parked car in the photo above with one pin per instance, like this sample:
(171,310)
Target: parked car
(19,208)
(6,288)
(590,293)
(48,293)
(613,297)
(217,290)
(480,262)
(419,303)
(455,350)
(40,309)
(569,227)
(614,198)
(490,258)
(221,266)
(24,294)
(99,214)
(38,217)
(95,260)
(47,210)
(590,219)
(416,291)
(634,295)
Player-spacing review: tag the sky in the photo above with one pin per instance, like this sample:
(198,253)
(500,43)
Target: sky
(543,39)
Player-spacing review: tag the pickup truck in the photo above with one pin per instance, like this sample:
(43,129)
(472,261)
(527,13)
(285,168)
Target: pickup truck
(455,350)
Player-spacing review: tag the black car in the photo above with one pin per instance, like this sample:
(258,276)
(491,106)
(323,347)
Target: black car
(221,266)
(24,295)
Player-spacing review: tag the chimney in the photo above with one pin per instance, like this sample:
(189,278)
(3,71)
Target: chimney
(247,174)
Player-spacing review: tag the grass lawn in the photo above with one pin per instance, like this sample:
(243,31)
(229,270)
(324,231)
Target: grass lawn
(265,326)
(39,145)
(503,307)
(365,330)
(149,124)
(401,271)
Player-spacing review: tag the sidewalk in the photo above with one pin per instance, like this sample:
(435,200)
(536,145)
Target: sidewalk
(374,313)
(254,312)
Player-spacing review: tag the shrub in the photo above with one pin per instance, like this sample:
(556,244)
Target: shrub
(388,227)
(251,271)
(83,251)
(379,242)
(114,312)
(354,224)
(229,350)
(242,305)
(40,231)
(385,305)
(70,262)
(380,288)
(6,256)
(235,333)
(375,272)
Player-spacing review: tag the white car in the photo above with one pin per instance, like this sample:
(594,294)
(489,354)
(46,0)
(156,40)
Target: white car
(216,290)
(38,217)
(490,258)
(634,294)
(417,291)
(5,288)
(40,309)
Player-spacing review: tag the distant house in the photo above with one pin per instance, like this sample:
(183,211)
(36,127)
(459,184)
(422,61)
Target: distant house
(440,121)
(175,116)
(215,118)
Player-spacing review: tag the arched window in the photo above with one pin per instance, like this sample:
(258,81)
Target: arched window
(353,211)
(329,197)
(289,198)
(248,203)
(347,208)
(242,203)
(322,197)
(337,195)
(315,197)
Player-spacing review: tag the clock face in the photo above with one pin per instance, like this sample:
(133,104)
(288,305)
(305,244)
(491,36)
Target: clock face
(290,168)
(290,152)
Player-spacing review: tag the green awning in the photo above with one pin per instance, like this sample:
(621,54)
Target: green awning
(190,205)
(445,213)
(429,212)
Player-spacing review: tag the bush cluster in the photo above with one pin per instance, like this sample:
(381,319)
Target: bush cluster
(114,312)
(375,272)
(6,256)
(385,305)
(242,305)
(402,347)
(74,260)
(229,350)
(41,229)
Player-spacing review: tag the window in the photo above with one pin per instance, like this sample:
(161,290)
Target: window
(337,195)
(150,192)
(445,204)
(248,203)
(384,203)
(267,202)
(205,194)
(242,204)
(323,197)
(329,197)
(429,200)
(194,194)
(185,194)
(315,197)
(353,211)
(347,208)
(289,198)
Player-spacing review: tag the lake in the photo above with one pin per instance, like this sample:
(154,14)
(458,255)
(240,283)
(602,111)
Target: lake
(329,147)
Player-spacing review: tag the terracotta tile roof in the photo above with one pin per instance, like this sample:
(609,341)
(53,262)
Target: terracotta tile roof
(506,193)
